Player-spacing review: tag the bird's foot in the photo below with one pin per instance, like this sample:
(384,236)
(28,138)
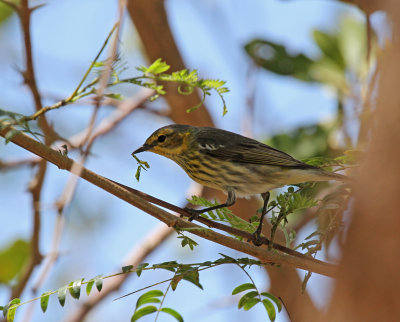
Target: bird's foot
(257,241)
(193,213)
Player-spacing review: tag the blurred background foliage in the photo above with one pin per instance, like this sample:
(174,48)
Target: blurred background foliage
(344,65)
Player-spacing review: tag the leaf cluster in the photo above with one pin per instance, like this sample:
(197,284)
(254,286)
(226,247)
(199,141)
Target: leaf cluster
(187,82)
(187,272)
(152,296)
(253,297)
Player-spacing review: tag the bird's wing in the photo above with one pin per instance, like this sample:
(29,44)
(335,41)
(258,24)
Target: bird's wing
(253,152)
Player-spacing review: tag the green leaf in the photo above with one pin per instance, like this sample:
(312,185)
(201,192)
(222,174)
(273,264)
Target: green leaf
(175,281)
(173,313)
(75,289)
(243,287)
(250,303)
(99,282)
(157,67)
(5,12)
(61,294)
(11,306)
(187,241)
(227,259)
(44,301)
(330,47)
(277,302)
(192,276)
(142,312)
(275,58)
(246,297)
(127,268)
(115,96)
(13,259)
(270,309)
(147,300)
(89,286)
(11,313)
(152,295)
(352,39)
(169,266)
(140,267)
(142,165)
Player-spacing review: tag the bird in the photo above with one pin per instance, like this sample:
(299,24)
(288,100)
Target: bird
(237,165)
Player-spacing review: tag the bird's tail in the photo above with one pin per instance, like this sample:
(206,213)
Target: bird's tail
(323,175)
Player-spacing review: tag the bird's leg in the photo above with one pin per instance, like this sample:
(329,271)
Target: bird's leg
(229,202)
(257,233)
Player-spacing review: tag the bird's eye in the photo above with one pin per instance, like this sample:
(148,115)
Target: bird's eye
(161,138)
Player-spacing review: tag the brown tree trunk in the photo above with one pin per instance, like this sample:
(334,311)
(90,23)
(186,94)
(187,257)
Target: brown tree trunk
(368,285)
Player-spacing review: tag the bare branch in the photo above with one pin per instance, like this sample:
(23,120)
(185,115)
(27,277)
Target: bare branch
(18,163)
(35,188)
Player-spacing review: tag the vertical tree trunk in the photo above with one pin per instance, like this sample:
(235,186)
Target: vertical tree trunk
(368,283)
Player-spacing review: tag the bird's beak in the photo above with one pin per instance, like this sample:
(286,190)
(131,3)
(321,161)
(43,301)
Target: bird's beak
(143,148)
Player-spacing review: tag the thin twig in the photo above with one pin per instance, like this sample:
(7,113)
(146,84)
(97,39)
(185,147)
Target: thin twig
(18,163)
(109,123)
(36,257)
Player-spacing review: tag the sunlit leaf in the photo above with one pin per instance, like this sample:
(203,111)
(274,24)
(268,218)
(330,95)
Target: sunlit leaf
(89,287)
(150,296)
(243,287)
(99,282)
(250,303)
(75,289)
(61,294)
(270,309)
(243,300)
(142,312)
(157,67)
(273,298)
(329,45)
(173,313)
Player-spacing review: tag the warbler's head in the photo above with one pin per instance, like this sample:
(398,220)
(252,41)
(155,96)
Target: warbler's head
(168,141)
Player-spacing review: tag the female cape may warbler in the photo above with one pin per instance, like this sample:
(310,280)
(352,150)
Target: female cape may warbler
(231,162)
